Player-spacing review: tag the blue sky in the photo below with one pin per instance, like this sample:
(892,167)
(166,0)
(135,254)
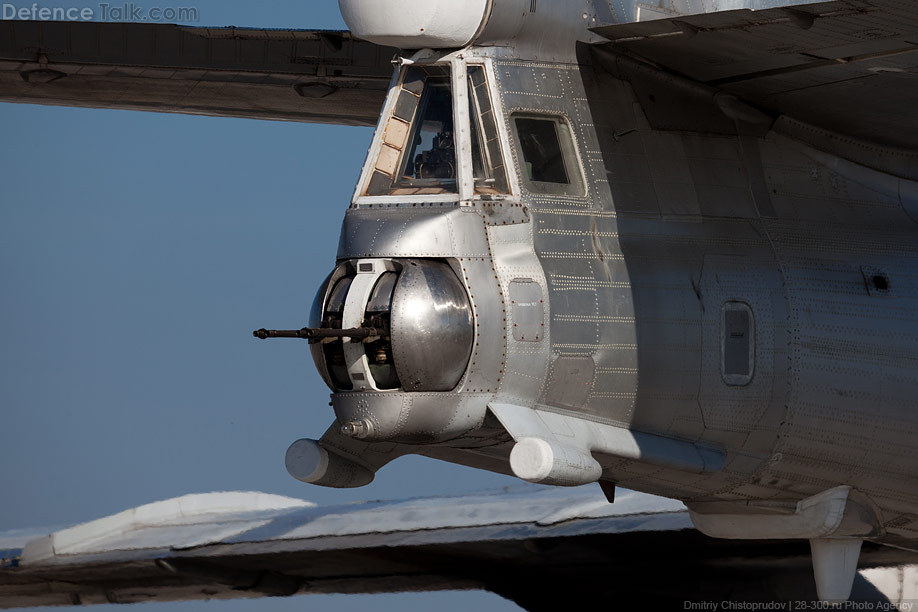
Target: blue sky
(137,253)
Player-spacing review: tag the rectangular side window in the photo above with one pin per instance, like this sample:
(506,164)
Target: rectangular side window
(487,156)
(548,159)
(737,344)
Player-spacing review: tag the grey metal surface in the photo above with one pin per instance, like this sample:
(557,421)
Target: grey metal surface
(290,75)
(831,64)
(524,362)
(670,230)
(527,309)
(415,417)
(108,559)
(438,230)
(626,11)
(432,327)
(530,541)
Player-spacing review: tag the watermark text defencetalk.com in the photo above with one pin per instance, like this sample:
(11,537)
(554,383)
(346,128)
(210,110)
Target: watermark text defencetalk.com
(127,11)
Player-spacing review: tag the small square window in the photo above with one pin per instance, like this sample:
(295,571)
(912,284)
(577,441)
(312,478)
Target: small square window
(548,160)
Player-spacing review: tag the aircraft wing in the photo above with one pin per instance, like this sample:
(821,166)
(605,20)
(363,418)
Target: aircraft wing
(848,66)
(290,75)
(535,546)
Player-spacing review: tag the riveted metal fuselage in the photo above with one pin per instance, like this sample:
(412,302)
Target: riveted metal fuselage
(609,305)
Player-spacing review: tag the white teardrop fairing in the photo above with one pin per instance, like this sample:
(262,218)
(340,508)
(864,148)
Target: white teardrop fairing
(415,24)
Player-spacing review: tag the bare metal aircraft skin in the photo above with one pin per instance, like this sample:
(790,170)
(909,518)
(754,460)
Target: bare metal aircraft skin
(656,246)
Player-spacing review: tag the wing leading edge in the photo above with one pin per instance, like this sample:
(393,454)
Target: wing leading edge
(289,75)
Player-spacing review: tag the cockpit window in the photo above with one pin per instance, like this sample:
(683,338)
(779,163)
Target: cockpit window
(418,153)
(433,153)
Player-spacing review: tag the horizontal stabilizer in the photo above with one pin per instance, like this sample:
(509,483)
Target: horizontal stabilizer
(849,66)
(535,545)
(289,75)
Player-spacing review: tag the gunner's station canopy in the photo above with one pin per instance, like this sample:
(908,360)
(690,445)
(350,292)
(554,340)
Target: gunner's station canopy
(420,151)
